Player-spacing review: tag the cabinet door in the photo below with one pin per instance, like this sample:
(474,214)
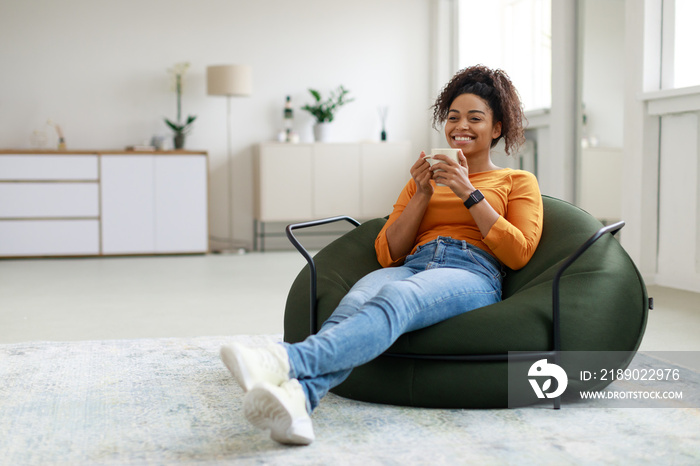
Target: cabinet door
(128,204)
(385,170)
(336,180)
(284,177)
(181,203)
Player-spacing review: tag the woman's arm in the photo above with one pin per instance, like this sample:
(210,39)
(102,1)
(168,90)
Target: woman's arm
(401,234)
(514,237)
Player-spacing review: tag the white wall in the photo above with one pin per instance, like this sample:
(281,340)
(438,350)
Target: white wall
(98,68)
(603,69)
(556,142)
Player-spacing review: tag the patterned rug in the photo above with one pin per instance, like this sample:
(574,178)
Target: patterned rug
(171,401)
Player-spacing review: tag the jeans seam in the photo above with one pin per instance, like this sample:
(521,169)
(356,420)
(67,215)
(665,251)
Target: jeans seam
(466,293)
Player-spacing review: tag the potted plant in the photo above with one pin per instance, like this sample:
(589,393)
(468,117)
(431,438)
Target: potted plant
(179,128)
(324,110)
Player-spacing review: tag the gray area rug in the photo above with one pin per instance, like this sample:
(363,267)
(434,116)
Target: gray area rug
(171,401)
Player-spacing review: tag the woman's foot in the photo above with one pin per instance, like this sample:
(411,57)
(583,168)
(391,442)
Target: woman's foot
(251,366)
(282,409)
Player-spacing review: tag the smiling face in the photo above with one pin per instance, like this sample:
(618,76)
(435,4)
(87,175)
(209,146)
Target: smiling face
(470,127)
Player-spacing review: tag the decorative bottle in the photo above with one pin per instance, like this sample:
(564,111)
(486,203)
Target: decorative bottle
(288,118)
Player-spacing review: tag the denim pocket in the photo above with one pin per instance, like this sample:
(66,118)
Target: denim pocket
(488,267)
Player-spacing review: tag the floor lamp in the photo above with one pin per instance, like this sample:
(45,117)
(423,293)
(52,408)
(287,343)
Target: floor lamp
(229,81)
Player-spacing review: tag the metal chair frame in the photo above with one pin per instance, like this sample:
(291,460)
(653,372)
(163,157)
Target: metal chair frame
(554,354)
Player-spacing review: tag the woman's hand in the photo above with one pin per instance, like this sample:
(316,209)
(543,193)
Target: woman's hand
(456,176)
(421,174)
(453,174)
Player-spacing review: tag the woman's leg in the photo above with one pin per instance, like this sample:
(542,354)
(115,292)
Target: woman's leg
(364,290)
(324,360)
(363,331)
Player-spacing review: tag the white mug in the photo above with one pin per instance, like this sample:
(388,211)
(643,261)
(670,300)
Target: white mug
(451,153)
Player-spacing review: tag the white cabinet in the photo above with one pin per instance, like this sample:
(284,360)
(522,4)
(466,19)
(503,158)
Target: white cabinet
(297,182)
(107,203)
(306,181)
(154,204)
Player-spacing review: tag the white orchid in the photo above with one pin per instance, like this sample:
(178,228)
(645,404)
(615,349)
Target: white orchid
(178,71)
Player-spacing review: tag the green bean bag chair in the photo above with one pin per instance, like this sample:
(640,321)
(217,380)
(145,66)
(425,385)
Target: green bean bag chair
(603,313)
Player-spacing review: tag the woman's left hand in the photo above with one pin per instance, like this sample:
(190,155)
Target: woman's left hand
(453,175)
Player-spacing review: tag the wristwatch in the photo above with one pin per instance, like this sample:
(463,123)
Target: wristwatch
(473,199)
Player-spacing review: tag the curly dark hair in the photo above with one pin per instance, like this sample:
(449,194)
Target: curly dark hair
(496,88)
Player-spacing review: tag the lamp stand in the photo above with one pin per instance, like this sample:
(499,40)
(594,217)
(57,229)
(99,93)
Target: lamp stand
(237,247)
(229,80)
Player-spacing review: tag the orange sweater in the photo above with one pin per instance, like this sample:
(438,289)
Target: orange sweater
(514,194)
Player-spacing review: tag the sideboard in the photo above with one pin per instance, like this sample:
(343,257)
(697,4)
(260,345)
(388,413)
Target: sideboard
(101,203)
(297,182)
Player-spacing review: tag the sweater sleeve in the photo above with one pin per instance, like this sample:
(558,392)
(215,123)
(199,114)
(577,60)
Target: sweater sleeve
(381,245)
(515,236)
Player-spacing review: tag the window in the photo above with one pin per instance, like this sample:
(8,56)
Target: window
(514,35)
(686,69)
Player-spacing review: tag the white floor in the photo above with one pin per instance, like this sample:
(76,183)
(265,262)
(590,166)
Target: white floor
(180,296)
(144,297)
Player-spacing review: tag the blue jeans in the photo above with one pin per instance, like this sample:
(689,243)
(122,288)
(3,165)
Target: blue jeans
(442,279)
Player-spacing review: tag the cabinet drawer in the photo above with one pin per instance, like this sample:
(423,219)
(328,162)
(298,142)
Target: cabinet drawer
(49,237)
(48,167)
(27,200)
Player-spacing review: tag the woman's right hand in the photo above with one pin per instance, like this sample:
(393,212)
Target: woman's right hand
(421,174)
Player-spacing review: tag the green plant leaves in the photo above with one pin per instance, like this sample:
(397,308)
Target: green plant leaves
(181,128)
(324,112)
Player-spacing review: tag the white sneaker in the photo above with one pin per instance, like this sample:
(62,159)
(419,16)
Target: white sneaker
(282,409)
(251,366)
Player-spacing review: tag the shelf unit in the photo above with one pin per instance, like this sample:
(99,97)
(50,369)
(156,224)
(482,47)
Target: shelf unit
(298,182)
(101,203)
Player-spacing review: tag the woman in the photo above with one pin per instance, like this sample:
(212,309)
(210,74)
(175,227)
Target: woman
(442,252)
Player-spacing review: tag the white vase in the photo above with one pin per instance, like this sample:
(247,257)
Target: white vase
(322,132)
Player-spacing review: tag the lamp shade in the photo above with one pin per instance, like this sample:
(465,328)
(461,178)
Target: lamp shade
(229,80)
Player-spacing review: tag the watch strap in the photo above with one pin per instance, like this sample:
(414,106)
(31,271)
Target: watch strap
(473,199)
